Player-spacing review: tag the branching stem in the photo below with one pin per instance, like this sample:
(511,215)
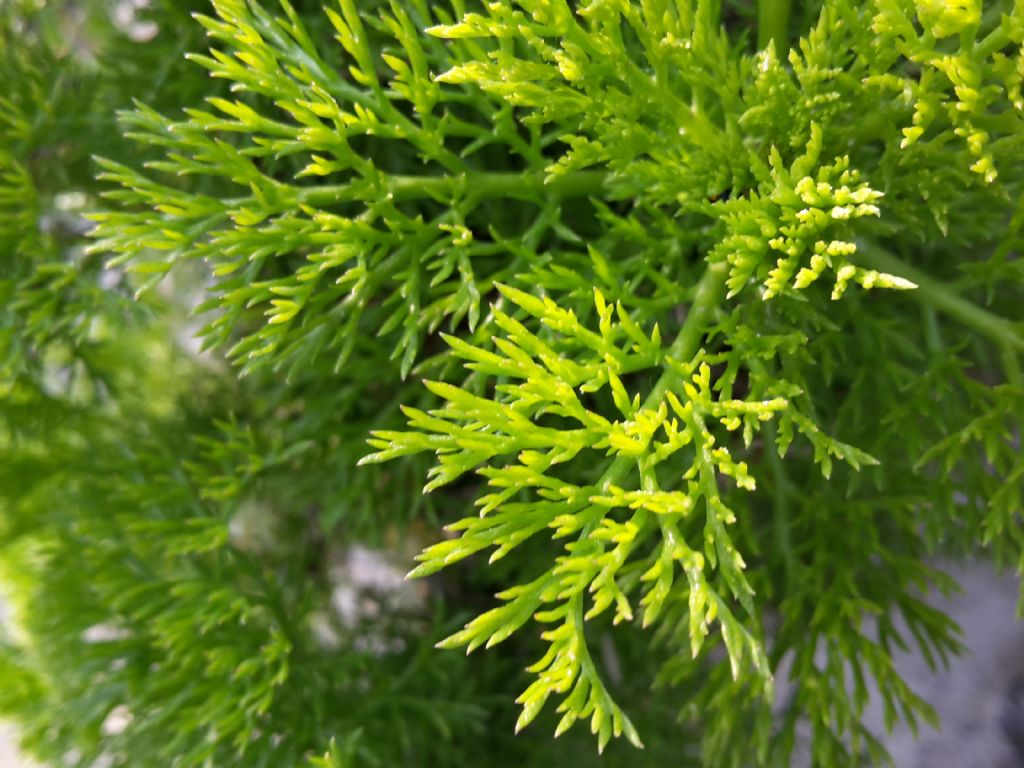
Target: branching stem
(479,185)
(996,40)
(707,298)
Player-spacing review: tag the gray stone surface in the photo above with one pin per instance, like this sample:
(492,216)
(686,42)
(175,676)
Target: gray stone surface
(971,697)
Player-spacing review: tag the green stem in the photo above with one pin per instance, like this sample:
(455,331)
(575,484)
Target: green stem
(707,298)
(479,185)
(996,40)
(1011,365)
(932,336)
(773,25)
(934,293)
(781,501)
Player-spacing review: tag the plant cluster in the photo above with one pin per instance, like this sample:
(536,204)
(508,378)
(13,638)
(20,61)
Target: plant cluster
(689,321)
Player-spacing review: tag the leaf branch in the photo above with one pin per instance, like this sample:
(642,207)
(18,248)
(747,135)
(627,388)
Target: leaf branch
(479,185)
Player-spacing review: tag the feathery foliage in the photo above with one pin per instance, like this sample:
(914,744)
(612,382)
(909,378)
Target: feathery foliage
(691,318)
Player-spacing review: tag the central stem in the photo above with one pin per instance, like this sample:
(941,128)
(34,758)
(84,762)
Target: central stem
(707,298)
(478,185)
(773,25)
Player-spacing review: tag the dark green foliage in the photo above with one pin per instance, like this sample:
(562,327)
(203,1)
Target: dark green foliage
(698,317)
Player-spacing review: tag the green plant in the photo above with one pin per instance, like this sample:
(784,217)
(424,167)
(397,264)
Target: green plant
(716,322)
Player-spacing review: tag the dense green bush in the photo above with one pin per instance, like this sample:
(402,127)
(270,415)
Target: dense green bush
(701,319)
